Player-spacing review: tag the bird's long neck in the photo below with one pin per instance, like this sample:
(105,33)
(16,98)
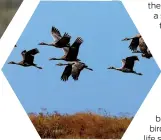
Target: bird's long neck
(50,44)
(62,64)
(56,59)
(130,38)
(119,69)
(15,63)
(65,64)
(47,44)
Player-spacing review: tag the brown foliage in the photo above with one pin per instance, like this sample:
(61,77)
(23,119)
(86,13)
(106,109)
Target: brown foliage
(80,125)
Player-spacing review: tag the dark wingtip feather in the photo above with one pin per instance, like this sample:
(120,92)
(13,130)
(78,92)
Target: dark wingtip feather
(36,50)
(54,29)
(67,35)
(64,78)
(79,40)
(75,78)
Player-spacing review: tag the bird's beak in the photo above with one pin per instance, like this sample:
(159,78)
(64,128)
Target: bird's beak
(124,39)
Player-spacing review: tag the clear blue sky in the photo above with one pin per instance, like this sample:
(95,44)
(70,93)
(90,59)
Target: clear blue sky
(102,25)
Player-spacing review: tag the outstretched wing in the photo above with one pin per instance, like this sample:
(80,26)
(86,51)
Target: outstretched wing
(142,45)
(64,41)
(32,52)
(66,73)
(56,34)
(129,63)
(23,54)
(76,69)
(134,44)
(77,43)
(29,56)
(74,49)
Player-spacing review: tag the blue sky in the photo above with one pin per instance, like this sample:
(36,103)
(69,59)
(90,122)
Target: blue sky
(102,25)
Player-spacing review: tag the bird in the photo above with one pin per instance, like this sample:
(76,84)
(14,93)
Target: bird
(15,46)
(128,65)
(138,41)
(147,55)
(73,69)
(28,58)
(144,49)
(59,40)
(71,53)
(134,43)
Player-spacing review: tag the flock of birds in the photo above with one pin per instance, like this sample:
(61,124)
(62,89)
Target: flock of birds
(75,66)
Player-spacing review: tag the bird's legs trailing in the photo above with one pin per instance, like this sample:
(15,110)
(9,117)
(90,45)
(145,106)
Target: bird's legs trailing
(137,73)
(37,67)
(34,65)
(89,69)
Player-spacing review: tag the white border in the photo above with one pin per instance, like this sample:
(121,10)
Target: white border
(15,124)
(14,120)
(149,28)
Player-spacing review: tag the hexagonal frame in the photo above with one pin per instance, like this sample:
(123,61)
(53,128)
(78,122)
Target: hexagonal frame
(10,44)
